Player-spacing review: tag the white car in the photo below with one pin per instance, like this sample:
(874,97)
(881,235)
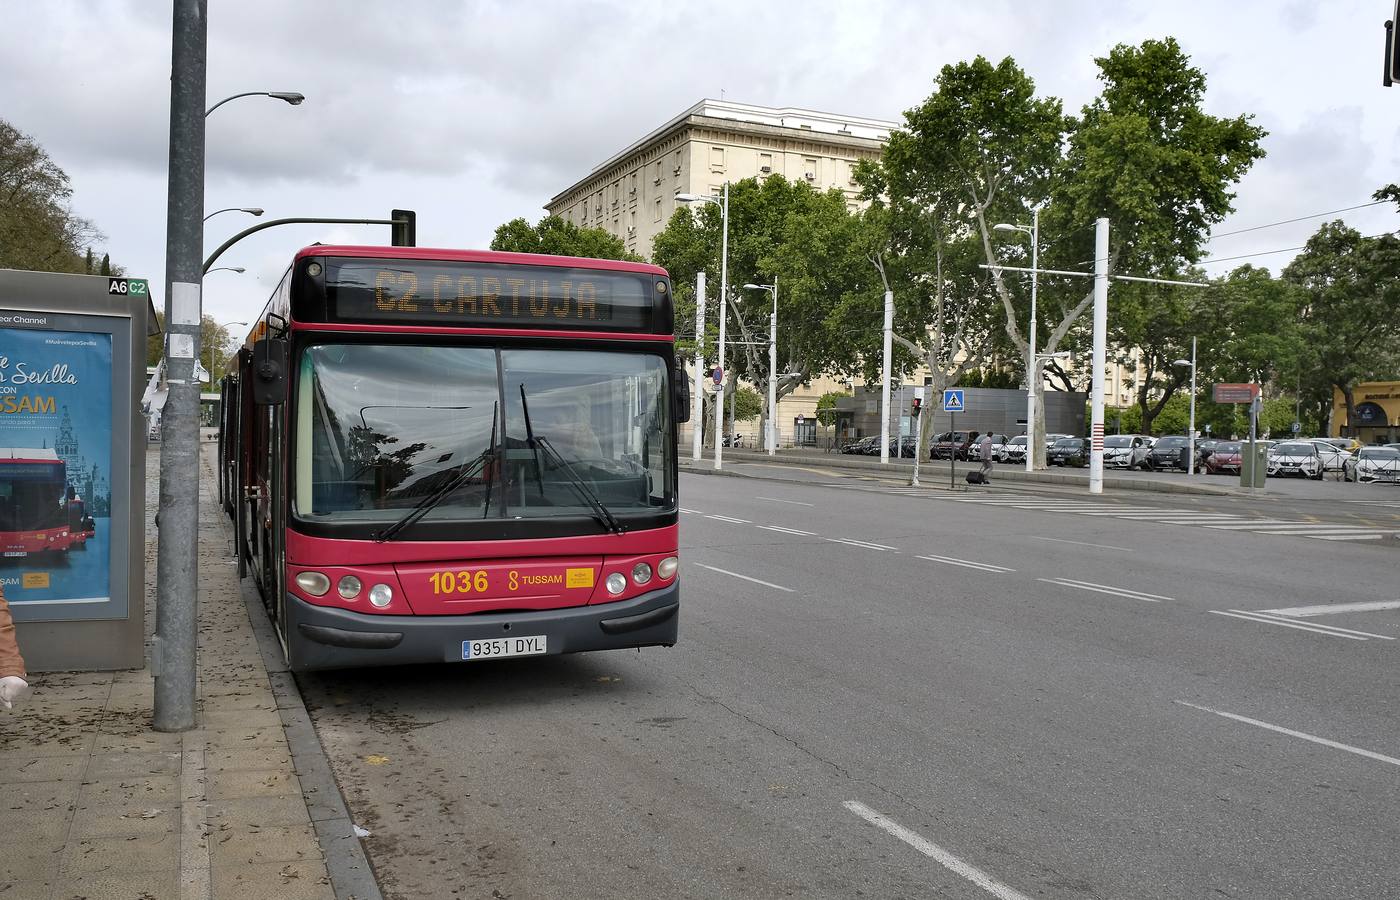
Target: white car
(1333,457)
(1295,458)
(1374,464)
(1016,449)
(998,448)
(1125,451)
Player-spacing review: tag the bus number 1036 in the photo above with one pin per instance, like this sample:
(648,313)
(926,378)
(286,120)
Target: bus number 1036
(460,582)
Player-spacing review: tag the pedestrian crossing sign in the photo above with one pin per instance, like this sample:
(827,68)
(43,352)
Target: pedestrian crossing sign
(953,400)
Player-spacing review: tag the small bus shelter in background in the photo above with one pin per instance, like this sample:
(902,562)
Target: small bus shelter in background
(73,467)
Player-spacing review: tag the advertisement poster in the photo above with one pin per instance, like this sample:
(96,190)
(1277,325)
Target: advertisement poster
(55,466)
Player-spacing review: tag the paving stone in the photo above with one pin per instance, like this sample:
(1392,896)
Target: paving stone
(119,765)
(151,790)
(163,885)
(282,880)
(31,860)
(244,737)
(287,809)
(278,843)
(26,890)
(140,742)
(34,797)
(40,768)
(253,758)
(233,720)
(149,853)
(123,821)
(233,784)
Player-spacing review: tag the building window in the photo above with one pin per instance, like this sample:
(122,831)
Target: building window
(809,169)
(631,221)
(656,175)
(717,159)
(634,184)
(656,213)
(676,163)
(765,163)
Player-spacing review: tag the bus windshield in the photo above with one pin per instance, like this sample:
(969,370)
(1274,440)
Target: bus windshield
(31,495)
(381,429)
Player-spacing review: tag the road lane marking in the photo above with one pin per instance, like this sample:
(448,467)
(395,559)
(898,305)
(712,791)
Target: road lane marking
(936,853)
(1105,589)
(745,577)
(865,544)
(729,519)
(1326,742)
(1328,609)
(1035,537)
(985,567)
(1241,614)
(1344,537)
(778,500)
(788,530)
(694,511)
(1255,524)
(1330,628)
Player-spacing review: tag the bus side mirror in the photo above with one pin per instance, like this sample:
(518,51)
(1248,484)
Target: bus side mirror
(269,371)
(682,397)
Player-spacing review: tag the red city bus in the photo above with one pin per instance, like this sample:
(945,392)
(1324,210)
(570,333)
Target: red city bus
(441,455)
(33,505)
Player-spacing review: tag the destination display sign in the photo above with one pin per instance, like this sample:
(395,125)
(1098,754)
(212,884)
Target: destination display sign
(431,292)
(1235,393)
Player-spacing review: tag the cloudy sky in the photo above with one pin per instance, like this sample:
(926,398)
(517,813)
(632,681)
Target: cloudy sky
(473,113)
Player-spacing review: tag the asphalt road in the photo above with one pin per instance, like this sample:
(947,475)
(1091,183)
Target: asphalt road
(938,694)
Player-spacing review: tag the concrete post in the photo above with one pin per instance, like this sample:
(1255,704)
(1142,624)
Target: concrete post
(697,428)
(885,380)
(1100,355)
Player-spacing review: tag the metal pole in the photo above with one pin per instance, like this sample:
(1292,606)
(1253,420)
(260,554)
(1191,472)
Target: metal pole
(697,430)
(1100,354)
(1033,369)
(1191,437)
(918,435)
(952,451)
(773,374)
(177,579)
(885,380)
(723,317)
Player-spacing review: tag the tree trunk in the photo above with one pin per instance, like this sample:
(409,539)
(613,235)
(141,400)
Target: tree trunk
(1348,395)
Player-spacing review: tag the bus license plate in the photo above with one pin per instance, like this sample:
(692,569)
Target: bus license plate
(499,648)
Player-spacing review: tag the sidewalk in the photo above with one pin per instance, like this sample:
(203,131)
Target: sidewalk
(95,804)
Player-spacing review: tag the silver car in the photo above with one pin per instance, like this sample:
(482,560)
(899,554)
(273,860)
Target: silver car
(1125,451)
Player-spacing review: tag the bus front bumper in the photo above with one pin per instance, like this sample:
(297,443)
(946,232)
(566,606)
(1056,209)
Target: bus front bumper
(330,638)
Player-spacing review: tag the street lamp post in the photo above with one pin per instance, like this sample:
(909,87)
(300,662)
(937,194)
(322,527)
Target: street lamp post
(292,97)
(723,200)
(250,210)
(1191,427)
(771,432)
(1032,363)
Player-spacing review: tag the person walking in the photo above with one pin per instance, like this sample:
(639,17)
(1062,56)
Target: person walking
(14,683)
(985,450)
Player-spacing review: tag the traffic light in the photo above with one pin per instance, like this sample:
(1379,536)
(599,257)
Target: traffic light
(404,231)
(918,404)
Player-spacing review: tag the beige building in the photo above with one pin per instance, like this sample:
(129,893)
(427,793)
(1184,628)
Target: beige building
(632,194)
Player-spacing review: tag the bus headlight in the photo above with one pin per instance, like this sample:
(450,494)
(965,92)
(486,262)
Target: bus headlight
(314,583)
(616,583)
(667,567)
(641,573)
(381,595)
(348,587)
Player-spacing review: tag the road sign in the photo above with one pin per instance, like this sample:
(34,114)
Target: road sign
(1297,427)
(800,420)
(1236,393)
(717,375)
(953,400)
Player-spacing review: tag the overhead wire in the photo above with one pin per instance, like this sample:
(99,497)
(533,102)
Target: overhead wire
(1331,212)
(1216,259)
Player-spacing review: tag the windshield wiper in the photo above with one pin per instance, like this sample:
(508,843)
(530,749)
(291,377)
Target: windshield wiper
(443,491)
(540,442)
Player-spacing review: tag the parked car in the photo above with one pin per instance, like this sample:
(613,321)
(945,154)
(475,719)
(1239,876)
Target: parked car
(951,444)
(1016,449)
(1374,464)
(905,448)
(1333,457)
(998,448)
(1125,451)
(1204,448)
(859,445)
(1050,440)
(1295,458)
(1069,451)
(1166,452)
(1226,459)
(1346,444)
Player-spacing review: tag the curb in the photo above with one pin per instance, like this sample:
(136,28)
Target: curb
(833,461)
(352,877)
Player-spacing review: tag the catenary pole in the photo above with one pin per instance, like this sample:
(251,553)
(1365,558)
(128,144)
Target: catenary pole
(1033,363)
(723,317)
(697,430)
(773,374)
(1100,355)
(1191,434)
(177,579)
(885,380)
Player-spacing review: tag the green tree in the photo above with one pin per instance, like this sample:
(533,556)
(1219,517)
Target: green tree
(826,407)
(557,237)
(748,405)
(38,229)
(1350,315)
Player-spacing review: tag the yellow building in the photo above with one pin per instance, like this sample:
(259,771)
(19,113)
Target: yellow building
(1376,408)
